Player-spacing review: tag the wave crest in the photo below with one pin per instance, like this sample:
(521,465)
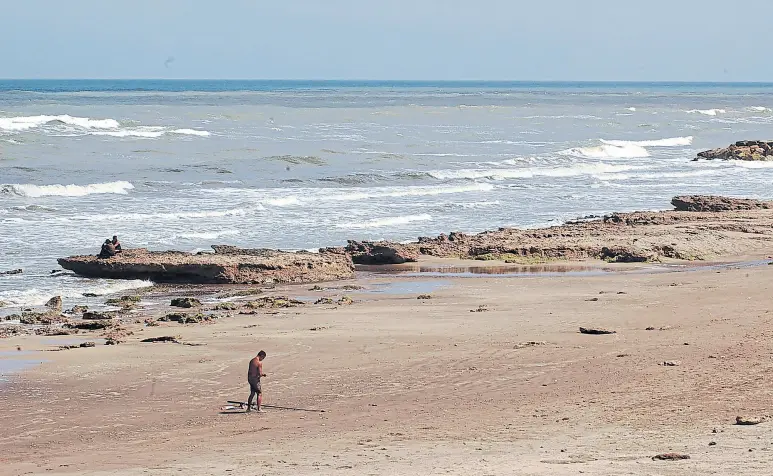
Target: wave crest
(707,112)
(388,221)
(670,142)
(57,190)
(608,151)
(23,123)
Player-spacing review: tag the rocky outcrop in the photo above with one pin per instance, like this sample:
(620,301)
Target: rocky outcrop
(741,150)
(226,265)
(711,203)
(55,303)
(376,252)
(702,227)
(186,302)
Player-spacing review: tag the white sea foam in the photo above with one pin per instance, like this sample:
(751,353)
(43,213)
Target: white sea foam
(191,132)
(37,296)
(632,109)
(670,142)
(205,235)
(284,201)
(388,221)
(23,123)
(130,133)
(608,151)
(35,191)
(707,112)
(759,109)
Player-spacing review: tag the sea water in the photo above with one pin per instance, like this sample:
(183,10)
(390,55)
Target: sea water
(303,164)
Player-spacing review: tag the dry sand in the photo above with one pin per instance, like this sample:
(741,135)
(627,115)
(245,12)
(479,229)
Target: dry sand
(415,386)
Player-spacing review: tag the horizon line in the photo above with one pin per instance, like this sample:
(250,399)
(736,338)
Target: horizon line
(576,81)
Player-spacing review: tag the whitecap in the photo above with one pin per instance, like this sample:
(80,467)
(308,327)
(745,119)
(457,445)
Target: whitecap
(670,142)
(191,132)
(632,109)
(707,112)
(608,151)
(35,191)
(23,123)
(530,172)
(205,235)
(759,109)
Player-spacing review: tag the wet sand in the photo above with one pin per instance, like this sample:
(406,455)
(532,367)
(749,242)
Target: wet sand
(414,386)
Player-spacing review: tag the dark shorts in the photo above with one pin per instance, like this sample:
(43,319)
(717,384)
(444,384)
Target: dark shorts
(255,387)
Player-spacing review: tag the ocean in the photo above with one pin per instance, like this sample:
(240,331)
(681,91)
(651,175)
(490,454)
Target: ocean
(303,164)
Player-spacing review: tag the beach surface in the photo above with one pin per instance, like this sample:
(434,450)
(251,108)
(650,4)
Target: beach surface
(489,376)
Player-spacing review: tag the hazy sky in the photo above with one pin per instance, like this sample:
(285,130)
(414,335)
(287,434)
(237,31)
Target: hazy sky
(689,40)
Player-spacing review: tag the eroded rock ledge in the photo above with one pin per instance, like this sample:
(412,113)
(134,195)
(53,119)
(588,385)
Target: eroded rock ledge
(228,265)
(701,227)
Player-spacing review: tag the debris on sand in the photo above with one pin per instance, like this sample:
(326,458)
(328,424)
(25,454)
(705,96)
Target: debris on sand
(345,301)
(670,457)
(530,343)
(481,308)
(318,328)
(592,299)
(671,363)
(82,345)
(596,331)
(324,300)
(173,339)
(749,420)
(424,296)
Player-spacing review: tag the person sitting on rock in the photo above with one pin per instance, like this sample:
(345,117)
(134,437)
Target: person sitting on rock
(116,244)
(108,250)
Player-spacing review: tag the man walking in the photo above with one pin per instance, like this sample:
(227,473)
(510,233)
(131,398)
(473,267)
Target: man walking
(254,374)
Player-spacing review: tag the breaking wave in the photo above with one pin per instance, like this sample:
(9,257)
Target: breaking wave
(707,112)
(100,287)
(608,151)
(36,191)
(382,222)
(23,123)
(191,132)
(529,172)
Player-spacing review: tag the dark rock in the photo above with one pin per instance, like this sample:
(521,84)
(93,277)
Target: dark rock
(595,331)
(710,203)
(186,302)
(626,254)
(375,253)
(235,266)
(274,302)
(97,315)
(173,339)
(126,302)
(345,301)
(12,271)
(324,300)
(42,318)
(424,296)
(671,363)
(90,325)
(54,331)
(670,457)
(226,306)
(55,303)
(524,345)
(741,150)
(87,344)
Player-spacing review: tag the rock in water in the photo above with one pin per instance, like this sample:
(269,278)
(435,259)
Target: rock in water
(752,150)
(711,203)
(186,302)
(13,271)
(55,303)
(227,265)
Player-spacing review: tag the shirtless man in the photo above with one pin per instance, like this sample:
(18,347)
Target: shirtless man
(254,374)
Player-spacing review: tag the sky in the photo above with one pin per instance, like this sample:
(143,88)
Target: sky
(591,40)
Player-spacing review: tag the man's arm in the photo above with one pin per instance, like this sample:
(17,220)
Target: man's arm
(260,369)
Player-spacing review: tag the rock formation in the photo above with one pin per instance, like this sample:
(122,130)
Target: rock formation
(376,252)
(741,150)
(226,265)
(711,203)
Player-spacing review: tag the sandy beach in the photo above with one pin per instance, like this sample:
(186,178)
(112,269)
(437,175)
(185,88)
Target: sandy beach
(420,386)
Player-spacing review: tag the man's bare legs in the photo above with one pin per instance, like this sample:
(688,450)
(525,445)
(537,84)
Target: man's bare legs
(249,400)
